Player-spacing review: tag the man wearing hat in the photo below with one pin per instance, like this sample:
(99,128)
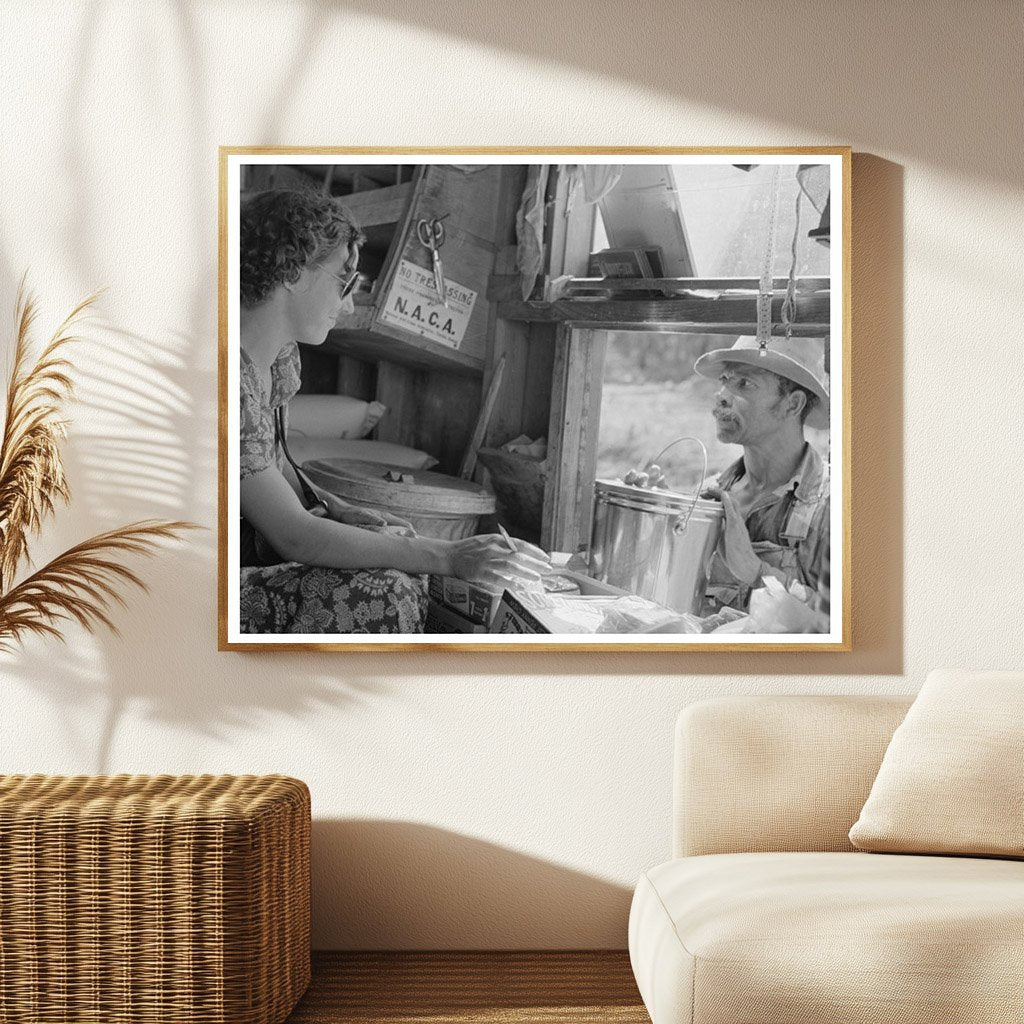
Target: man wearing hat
(776,496)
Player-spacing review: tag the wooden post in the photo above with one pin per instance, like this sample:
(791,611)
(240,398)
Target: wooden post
(572,438)
(508,340)
(477,437)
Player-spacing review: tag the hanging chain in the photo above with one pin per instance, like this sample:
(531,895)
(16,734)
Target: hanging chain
(764,295)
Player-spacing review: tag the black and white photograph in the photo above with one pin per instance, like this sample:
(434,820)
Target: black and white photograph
(574,399)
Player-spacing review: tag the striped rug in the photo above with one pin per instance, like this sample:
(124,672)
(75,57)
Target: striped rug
(472,988)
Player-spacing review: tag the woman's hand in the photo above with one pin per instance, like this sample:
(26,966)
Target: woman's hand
(487,561)
(367,518)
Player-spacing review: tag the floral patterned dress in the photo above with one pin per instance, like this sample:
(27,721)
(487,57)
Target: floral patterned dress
(287,597)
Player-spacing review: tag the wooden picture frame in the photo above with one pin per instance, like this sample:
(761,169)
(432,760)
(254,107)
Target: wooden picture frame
(522,350)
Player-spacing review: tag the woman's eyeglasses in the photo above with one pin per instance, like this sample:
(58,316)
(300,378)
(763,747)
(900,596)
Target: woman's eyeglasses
(348,283)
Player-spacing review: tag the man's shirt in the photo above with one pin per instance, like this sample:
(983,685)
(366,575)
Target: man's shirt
(788,526)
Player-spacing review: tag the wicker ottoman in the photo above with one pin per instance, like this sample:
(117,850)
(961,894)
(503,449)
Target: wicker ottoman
(171,899)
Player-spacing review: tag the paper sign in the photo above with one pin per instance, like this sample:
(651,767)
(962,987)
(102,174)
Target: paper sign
(412,304)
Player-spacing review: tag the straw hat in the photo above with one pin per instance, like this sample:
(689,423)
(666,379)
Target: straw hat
(801,360)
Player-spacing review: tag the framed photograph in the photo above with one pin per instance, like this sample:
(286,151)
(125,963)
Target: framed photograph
(573,399)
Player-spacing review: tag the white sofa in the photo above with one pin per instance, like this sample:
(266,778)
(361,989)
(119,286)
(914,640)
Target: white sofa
(768,915)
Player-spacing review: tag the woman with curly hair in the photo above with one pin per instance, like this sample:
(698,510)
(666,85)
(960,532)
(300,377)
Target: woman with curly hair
(317,569)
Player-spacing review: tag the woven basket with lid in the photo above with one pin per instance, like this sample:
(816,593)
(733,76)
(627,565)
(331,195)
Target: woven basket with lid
(137,899)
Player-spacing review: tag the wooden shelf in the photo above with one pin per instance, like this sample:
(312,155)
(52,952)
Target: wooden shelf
(362,343)
(358,320)
(506,287)
(357,335)
(724,315)
(683,285)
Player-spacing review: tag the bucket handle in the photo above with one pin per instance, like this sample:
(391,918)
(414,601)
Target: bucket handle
(682,523)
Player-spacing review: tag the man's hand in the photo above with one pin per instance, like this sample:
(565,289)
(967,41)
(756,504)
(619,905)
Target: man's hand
(773,609)
(735,547)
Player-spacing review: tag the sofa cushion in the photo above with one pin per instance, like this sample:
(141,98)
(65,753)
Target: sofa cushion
(777,772)
(950,781)
(783,938)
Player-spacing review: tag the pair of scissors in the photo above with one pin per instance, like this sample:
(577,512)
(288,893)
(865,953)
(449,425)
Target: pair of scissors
(431,234)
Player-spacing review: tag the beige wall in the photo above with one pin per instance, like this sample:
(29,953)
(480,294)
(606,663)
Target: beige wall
(488,800)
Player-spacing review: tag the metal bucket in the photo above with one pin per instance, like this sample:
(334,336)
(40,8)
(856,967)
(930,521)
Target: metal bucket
(654,543)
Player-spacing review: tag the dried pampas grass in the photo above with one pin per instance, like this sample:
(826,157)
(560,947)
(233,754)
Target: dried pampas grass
(82,584)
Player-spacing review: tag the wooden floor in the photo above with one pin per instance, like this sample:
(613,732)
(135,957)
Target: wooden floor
(467,988)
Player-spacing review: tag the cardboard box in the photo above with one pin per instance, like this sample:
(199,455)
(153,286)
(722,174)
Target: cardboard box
(553,613)
(471,602)
(514,617)
(440,619)
(474,605)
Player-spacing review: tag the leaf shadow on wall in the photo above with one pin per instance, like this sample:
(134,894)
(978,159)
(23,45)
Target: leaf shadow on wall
(405,885)
(127,459)
(146,443)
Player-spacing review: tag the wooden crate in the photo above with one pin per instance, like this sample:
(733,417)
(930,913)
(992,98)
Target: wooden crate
(144,899)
